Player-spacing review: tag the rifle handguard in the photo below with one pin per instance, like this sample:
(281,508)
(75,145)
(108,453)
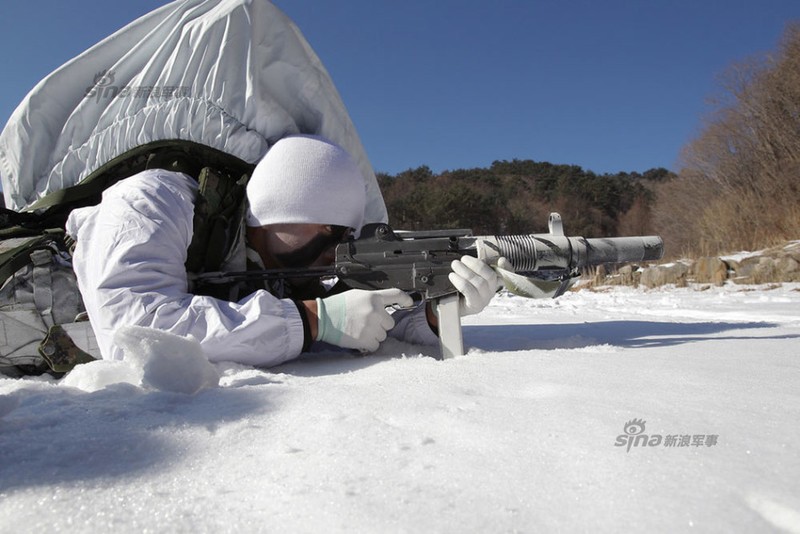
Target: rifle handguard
(536,252)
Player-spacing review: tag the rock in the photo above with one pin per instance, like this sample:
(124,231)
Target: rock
(754,270)
(788,269)
(710,269)
(600,275)
(652,277)
(673,273)
(766,270)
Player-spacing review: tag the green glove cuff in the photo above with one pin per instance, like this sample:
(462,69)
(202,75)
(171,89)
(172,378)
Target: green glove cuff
(331,316)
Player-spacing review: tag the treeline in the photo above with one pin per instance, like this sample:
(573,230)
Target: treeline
(517,196)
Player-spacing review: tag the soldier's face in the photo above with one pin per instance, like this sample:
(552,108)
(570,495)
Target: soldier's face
(296,244)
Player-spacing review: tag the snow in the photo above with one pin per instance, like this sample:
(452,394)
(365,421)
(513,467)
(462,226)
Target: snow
(153,359)
(743,255)
(517,435)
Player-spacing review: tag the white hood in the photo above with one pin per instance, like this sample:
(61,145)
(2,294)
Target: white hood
(236,75)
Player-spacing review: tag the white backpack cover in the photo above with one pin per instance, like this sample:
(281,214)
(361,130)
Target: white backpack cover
(235,75)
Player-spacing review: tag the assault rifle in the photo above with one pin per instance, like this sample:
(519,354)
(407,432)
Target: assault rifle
(544,265)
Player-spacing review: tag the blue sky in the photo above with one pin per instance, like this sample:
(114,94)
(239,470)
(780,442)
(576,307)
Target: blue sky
(613,85)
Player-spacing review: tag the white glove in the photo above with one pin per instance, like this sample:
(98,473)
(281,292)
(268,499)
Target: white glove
(357,319)
(505,265)
(477,283)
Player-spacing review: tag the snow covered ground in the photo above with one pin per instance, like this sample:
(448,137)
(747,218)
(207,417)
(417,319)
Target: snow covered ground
(527,432)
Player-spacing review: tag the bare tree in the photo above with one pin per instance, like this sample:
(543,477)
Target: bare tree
(738,186)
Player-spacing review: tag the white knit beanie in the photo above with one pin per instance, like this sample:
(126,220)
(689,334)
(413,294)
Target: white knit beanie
(306,179)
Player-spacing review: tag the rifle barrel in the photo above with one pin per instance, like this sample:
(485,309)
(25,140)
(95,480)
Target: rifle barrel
(624,249)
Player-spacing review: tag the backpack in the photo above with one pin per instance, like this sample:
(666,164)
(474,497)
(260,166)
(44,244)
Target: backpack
(43,323)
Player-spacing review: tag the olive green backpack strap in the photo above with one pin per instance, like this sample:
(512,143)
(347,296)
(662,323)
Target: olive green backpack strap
(217,217)
(60,352)
(15,252)
(173,155)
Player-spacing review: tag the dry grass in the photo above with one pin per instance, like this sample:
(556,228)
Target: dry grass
(739,187)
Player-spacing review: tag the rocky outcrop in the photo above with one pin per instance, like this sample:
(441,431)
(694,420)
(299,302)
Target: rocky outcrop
(780,267)
(775,265)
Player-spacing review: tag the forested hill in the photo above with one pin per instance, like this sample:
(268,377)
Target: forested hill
(517,196)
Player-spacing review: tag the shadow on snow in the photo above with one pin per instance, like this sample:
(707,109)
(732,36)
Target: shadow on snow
(628,334)
(61,435)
